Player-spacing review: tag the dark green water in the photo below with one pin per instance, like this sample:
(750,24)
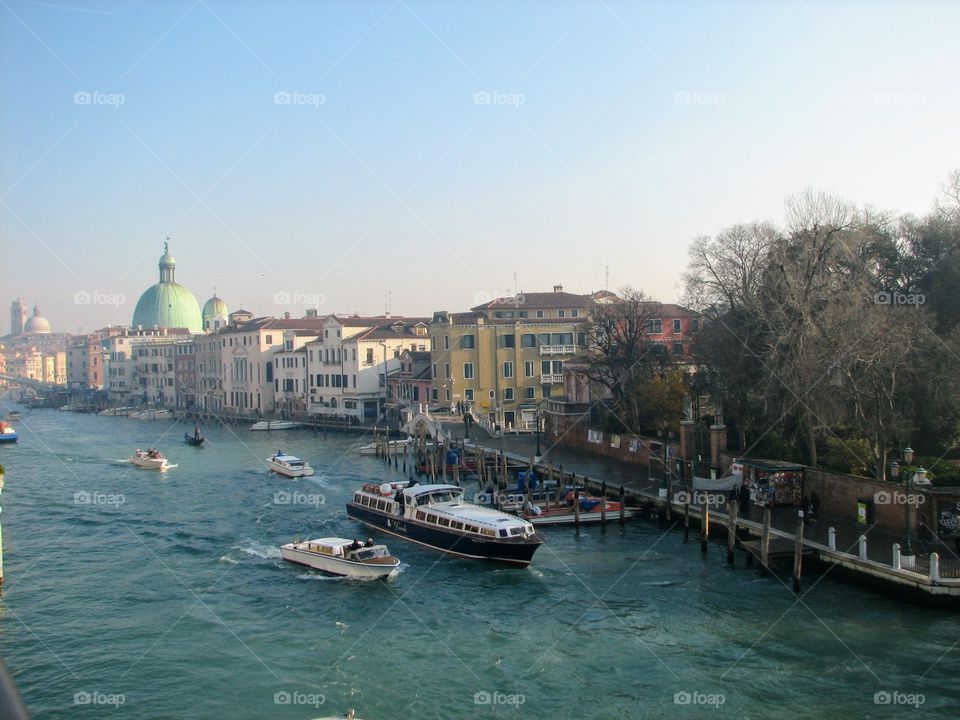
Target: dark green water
(174,600)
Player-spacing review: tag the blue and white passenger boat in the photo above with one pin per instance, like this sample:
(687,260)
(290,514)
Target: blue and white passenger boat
(438,517)
(7,433)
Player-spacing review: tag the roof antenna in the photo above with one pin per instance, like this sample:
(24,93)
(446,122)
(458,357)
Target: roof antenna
(389,303)
(607,286)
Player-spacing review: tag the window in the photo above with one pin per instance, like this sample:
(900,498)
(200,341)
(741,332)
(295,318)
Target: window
(546,391)
(433,371)
(508,341)
(508,393)
(693,324)
(446,370)
(446,342)
(467,394)
(545,367)
(435,394)
(574,313)
(528,369)
(467,342)
(544,339)
(678,348)
(369,356)
(268,339)
(528,393)
(582,339)
(468,371)
(539,313)
(528,340)
(508,369)
(561,313)
(655,326)
(676,327)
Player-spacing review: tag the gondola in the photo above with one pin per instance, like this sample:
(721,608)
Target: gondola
(193,439)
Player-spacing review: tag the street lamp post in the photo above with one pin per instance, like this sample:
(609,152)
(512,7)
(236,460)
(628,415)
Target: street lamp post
(908,481)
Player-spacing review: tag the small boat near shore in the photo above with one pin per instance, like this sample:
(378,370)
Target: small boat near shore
(289,465)
(7,433)
(275,425)
(151,459)
(161,414)
(394,447)
(117,411)
(438,517)
(343,557)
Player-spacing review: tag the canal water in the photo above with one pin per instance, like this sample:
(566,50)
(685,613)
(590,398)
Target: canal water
(135,594)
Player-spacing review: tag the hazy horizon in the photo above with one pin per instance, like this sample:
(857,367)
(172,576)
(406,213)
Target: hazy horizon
(441,152)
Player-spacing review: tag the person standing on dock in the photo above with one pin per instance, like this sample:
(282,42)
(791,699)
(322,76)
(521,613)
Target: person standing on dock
(923,532)
(744,498)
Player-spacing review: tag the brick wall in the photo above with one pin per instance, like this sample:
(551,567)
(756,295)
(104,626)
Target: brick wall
(576,437)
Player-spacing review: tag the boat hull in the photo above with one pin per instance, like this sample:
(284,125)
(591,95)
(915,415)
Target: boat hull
(287,472)
(191,440)
(9,438)
(275,425)
(506,551)
(339,566)
(150,463)
(569,518)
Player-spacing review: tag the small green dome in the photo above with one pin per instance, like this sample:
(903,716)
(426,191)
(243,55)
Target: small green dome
(170,305)
(215,307)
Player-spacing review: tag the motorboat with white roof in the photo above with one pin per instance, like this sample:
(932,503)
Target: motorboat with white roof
(343,556)
(275,425)
(437,516)
(289,465)
(151,459)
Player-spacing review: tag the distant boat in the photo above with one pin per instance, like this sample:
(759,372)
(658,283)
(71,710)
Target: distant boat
(7,433)
(152,415)
(193,439)
(394,447)
(151,459)
(289,465)
(344,557)
(114,412)
(275,425)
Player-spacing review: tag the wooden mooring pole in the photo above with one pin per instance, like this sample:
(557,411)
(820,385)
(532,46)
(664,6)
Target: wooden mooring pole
(623,501)
(765,543)
(704,527)
(686,520)
(732,530)
(797,555)
(603,504)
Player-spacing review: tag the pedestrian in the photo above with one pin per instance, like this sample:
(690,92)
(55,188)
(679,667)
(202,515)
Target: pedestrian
(815,503)
(744,497)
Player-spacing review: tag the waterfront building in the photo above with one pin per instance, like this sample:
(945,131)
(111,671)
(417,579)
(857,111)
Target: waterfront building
(209,371)
(141,368)
(168,304)
(290,372)
(34,363)
(85,363)
(348,365)
(505,358)
(408,389)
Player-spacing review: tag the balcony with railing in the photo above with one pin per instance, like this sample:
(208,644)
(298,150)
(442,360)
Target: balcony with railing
(558,349)
(551,379)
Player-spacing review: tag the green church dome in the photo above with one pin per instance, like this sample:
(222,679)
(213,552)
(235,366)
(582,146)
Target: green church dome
(168,304)
(215,307)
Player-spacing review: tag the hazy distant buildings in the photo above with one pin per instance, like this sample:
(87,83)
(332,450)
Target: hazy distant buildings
(18,317)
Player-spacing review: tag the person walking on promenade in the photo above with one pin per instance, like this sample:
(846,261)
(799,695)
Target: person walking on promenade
(923,532)
(744,498)
(815,503)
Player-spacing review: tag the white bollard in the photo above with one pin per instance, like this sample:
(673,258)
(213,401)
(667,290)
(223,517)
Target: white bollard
(862,542)
(935,566)
(896,564)
(832,539)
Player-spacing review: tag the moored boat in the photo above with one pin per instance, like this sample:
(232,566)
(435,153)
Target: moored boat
(343,556)
(7,433)
(438,517)
(553,508)
(394,447)
(152,415)
(275,425)
(289,465)
(151,459)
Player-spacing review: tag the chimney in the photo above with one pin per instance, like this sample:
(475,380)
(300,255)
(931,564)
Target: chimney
(558,288)
(286,316)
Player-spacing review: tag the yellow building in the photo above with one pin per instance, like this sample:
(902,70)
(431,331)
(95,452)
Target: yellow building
(505,357)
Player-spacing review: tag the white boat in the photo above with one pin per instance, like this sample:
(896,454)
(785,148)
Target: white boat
(151,459)
(394,447)
(289,465)
(275,425)
(114,412)
(343,556)
(152,415)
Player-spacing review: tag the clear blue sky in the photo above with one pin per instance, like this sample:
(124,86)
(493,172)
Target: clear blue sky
(641,126)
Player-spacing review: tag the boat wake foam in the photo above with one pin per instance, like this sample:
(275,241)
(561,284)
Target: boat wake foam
(259,550)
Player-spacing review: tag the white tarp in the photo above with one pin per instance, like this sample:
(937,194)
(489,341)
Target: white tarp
(720,484)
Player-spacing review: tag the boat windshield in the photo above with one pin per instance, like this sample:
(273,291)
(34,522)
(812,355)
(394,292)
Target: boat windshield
(365,554)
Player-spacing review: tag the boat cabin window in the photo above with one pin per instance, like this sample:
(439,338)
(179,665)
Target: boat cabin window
(445,522)
(473,529)
(456,525)
(488,532)
(516,531)
(503,533)
(421,515)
